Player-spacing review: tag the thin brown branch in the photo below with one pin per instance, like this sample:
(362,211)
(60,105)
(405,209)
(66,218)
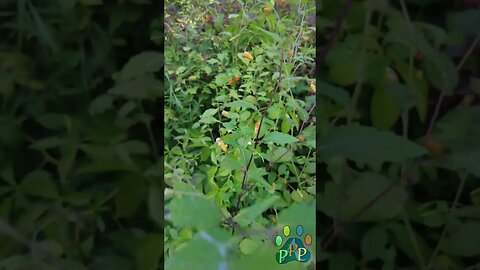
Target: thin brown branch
(354,217)
(270,164)
(436,111)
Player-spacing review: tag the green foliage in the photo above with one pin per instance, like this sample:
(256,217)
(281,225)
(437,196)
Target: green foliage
(223,64)
(399,128)
(80,173)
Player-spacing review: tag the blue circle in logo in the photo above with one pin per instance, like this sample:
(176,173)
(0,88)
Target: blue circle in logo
(299,230)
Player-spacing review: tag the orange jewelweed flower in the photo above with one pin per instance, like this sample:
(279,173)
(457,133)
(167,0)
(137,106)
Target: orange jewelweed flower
(247,55)
(257,127)
(208,19)
(434,146)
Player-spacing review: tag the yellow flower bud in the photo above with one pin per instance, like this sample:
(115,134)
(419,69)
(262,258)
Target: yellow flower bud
(222,145)
(267,11)
(313,88)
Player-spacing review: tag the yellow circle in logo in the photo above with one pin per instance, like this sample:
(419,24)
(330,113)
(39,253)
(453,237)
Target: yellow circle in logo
(286,231)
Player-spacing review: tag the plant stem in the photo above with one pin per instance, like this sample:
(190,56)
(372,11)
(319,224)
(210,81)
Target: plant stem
(413,239)
(257,141)
(442,94)
(461,186)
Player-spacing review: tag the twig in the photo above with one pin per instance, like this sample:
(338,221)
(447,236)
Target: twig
(413,239)
(270,164)
(452,209)
(354,217)
(442,94)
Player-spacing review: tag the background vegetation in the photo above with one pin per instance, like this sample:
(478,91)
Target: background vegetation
(398,120)
(80,125)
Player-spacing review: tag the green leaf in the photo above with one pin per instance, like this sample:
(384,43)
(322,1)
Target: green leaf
(195,210)
(342,261)
(47,143)
(39,183)
(211,244)
(384,109)
(209,112)
(463,240)
(142,87)
(339,95)
(221,79)
(274,36)
(373,243)
(280,138)
(281,154)
(149,251)
(344,66)
(241,104)
(441,71)
(249,246)
(155,205)
(131,194)
(100,104)
(256,174)
(249,214)
(367,145)
(141,64)
(366,188)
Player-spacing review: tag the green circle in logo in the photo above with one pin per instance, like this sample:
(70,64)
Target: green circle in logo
(278,240)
